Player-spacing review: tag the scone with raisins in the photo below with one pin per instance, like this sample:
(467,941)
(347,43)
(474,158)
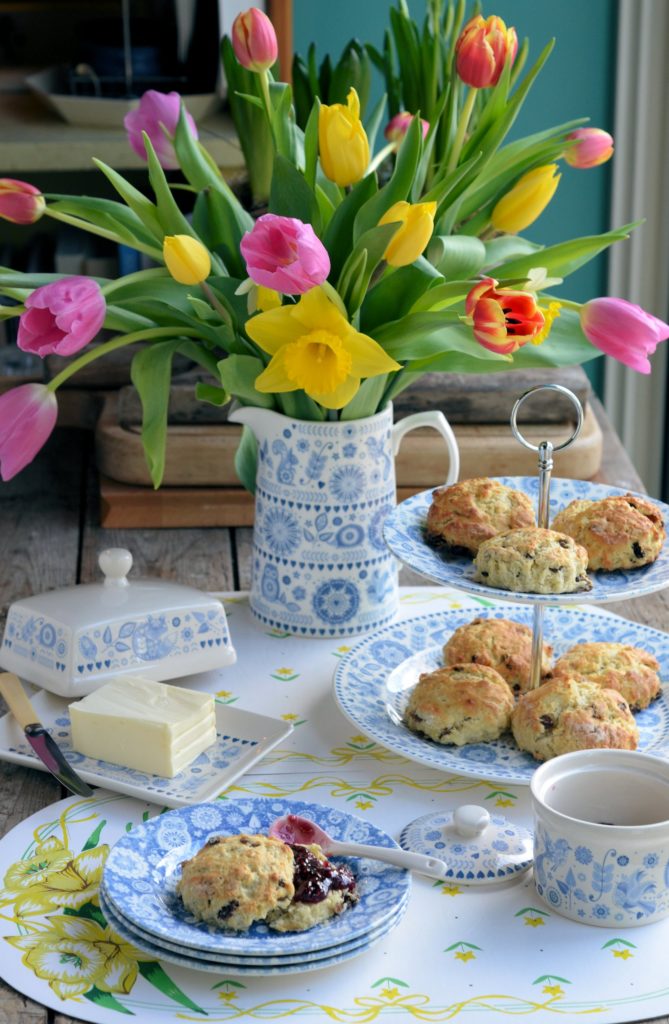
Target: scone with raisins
(465,514)
(620,532)
(631,671)
(565,715)
(533,561)
(234,881)
(460,704)
(501,644)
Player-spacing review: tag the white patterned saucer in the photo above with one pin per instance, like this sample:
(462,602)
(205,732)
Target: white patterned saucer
(247,961)
(372,684)
(404,532)
(160,952)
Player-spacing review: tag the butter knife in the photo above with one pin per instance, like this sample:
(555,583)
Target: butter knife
(39,739)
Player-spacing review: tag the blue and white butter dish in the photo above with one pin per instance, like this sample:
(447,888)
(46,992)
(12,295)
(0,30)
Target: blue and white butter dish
(70,641)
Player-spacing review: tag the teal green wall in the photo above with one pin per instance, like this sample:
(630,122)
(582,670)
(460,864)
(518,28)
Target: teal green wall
(577,81)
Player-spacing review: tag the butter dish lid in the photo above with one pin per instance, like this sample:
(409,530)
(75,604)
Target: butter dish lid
(478,847)
(70,641)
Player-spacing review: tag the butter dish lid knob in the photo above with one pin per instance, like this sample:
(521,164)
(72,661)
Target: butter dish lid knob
(115,563)
(470,820)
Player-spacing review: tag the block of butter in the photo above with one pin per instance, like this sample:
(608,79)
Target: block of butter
(153,727)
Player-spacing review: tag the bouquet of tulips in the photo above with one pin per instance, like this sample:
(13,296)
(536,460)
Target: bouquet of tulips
(348,288)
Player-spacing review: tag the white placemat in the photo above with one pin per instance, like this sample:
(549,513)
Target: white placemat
(475,955)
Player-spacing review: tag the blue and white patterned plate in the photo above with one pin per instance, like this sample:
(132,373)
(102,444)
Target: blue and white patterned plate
(143,868)
(279,960)
(234,967)
(404,532)
(372,682)
(243,738)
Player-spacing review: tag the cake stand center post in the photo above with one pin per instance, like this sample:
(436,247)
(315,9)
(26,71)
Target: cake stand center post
(544,452)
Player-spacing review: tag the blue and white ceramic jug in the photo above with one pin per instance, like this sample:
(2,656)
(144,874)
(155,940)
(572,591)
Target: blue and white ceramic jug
(323,490)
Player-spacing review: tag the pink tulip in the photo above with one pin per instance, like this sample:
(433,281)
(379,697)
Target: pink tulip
(623,330)
(27,416)
(157,111)
(593,146)
(283,253)
(20,202)
(61,317)
(399,125)
(254,40)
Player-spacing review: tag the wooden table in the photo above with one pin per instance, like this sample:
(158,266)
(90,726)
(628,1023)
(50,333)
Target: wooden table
(49,537)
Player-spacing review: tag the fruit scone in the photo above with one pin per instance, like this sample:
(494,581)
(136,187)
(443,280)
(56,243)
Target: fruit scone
(235,881)
(465,514)
(501,644)
(631,671)
(533,561)
(564,715)
(620,532)
(460,704)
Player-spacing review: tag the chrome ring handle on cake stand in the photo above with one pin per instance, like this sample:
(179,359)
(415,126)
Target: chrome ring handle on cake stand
(545,450)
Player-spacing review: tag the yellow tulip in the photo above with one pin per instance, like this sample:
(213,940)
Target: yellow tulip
(342,141)
(409,241)
(528,198)
(187,260)
(316,349)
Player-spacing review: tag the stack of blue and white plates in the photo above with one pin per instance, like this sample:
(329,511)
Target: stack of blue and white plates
(139,899)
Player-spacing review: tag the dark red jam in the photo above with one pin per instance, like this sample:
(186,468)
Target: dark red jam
(313,879)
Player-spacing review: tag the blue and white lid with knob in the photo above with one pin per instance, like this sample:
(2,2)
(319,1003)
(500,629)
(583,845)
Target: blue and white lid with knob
(478,847)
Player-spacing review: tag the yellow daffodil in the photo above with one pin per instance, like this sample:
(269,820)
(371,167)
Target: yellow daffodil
(342,141)
(77,954)
(49,857)
(528,198)
(315,348)
(187,260)
(408,242)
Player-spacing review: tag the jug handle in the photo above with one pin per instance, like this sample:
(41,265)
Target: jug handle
(435,419)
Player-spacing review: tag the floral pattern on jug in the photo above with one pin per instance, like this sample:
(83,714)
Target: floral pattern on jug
(323,492)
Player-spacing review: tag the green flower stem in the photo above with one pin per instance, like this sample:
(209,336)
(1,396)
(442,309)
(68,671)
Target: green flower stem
(84,225)
(461,130)
(214,302)
(264,88)
(381,156)
(139,275)
(566,303)
(149,334)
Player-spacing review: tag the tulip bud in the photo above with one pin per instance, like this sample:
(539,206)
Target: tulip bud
(254,40)
(623,330)
(417,225)
(342,141)
(482,50)
(27,417)
(399,125)
(592,146)
(187,260)
(20,202)
(528,198)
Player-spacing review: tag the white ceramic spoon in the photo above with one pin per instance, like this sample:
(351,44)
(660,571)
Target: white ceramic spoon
(294,829)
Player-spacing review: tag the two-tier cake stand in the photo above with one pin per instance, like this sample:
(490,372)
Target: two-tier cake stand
(373,680)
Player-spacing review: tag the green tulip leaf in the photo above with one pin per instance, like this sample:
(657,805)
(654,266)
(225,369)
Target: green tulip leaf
(507,247)
(290,196)
(394,295)
(142,207)
(418,336)
(246,459)
(399,186)
(172,220)
(456,256)
(238,375)
(565,257)
(151,372)
(338,238)
(211,394)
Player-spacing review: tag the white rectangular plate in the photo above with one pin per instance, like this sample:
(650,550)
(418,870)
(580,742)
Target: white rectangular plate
(242,739)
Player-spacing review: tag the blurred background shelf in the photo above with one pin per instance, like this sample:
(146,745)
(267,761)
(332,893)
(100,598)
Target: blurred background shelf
(34,139)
